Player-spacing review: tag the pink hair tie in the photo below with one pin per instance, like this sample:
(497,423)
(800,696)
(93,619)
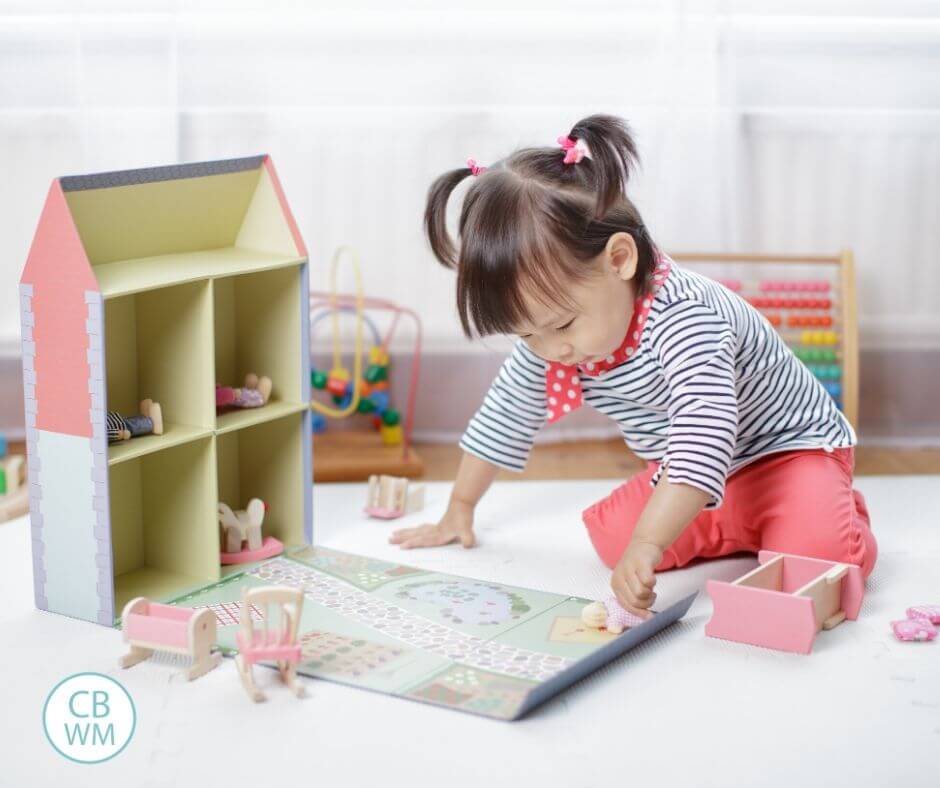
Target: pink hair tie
(575,150)
(475,169)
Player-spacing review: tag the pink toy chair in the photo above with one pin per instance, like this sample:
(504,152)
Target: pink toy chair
(275,637)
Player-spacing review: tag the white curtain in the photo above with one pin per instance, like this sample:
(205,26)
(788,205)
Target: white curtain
(777,126)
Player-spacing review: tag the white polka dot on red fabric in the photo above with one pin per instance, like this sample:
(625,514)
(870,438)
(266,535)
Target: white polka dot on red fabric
(560,373)
(575,380)
(646,303)
(590,365)
(636,334)
(629,351)
(552,401)
(609,359)
(639,319)
(551,414)
(557,386)
(572,393)
(566,408)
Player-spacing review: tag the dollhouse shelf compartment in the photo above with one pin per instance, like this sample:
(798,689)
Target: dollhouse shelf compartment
(125,277)
(158,284)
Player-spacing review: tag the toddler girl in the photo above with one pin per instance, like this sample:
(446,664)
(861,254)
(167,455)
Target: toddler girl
(746,449)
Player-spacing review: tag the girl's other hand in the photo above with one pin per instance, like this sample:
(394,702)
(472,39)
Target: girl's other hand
(455,526)
(634,577)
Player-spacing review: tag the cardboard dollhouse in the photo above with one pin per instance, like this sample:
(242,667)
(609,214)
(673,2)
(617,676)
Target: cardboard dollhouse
(158,283)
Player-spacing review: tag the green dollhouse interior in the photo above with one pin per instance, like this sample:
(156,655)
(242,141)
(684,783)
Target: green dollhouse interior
(202,282)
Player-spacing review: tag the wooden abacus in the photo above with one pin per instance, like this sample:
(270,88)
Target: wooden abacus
(809,299)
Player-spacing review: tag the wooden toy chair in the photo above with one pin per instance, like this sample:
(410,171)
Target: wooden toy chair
(275,637)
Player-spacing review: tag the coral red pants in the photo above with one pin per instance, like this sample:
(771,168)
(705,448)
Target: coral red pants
(798,502)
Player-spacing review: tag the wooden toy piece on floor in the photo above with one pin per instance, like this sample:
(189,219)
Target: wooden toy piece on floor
(149,626)
(242,541)
(785,602)
(393,496)
(149,422)
(609,615)
(14,494)
(275,637)
(254,394)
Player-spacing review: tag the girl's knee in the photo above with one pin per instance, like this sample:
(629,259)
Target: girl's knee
(611,520)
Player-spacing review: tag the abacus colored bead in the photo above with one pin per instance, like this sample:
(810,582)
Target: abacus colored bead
(775,320)
(366,405)
(378,356)
(318,423)
(391,417)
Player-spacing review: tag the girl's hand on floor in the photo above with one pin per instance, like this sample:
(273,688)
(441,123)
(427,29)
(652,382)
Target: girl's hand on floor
(634,577)
(455,526)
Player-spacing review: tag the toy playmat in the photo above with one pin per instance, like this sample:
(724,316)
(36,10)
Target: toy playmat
(466,644)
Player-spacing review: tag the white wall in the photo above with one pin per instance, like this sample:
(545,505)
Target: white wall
(774,126)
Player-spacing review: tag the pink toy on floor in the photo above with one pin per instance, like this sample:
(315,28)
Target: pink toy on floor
(930,612)
(609,614)
(914,629)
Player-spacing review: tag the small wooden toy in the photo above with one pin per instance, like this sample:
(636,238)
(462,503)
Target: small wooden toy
(149,422)
(914,629)
(609,615)
(393,496)
(930,612)
(361,387)
(241,534)
(275,639)
(254,394)
(785,601)
(149,626)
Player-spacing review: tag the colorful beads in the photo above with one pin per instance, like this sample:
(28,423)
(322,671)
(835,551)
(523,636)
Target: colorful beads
(391,436)
(826,371)
(318,379)
(769,285)
(391,417)
(765,302)
(815,354)
(819,337)
(318,423)
(809,320)
(734,285)
(338,381)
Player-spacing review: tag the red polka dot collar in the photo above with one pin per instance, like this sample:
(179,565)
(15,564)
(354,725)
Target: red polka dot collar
(563,381)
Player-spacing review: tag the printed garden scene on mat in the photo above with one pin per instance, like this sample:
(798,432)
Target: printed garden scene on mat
(468,644)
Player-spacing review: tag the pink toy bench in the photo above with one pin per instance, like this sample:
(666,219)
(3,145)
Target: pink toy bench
(785,601)
(149,626)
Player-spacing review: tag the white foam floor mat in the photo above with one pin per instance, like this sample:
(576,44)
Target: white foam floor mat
(681,709)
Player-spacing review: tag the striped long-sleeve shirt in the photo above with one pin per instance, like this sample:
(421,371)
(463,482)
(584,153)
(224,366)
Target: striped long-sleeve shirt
(710,388)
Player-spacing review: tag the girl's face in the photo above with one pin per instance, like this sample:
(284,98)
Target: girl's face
(602,307)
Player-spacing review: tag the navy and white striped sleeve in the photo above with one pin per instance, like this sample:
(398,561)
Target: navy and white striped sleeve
(513,411)
(695,347)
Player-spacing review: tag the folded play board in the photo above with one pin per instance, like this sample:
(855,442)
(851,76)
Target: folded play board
(466,644)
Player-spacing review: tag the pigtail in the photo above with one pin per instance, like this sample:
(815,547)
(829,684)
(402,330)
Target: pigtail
(613,157)
(435,216)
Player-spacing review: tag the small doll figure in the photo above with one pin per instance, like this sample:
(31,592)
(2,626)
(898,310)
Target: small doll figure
(149,422)
(254,394)
(609,614)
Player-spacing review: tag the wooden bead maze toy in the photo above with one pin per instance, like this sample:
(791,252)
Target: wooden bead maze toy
(809,300)
(363,392)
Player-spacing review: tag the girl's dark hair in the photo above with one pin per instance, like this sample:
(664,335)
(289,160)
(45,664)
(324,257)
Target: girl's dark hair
(531,221)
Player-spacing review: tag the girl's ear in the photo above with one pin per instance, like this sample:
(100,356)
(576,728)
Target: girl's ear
(623,255)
